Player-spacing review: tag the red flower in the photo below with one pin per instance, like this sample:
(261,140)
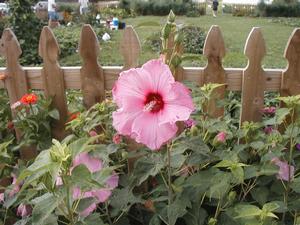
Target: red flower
(10,125)
(117,138)
(73,116)
(29,99)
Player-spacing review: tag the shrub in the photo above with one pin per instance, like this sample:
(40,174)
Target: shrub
(116,12)
(280,9)
(4,23)
(193,40)
(27,27)
(68,37)
(163,7)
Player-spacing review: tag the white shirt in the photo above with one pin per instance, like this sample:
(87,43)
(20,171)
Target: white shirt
(50,5)
(83,3)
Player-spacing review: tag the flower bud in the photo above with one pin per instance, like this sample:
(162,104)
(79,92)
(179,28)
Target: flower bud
(212,221)
(171,17)
(194,131)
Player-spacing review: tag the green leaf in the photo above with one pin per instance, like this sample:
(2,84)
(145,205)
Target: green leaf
(81,145)
(175,210)
(225,163)
(195,216)
(247,211)
(270,207)
(93,219)
(85,203)
(258,145)
(122,199)
(43,209)
(54,114)
(147,166)
(238,174)
(260,194)
(295,185)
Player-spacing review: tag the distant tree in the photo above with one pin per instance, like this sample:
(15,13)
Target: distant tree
(27,27)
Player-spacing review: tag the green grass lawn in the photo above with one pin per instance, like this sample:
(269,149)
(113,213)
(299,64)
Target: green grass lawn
(235,31)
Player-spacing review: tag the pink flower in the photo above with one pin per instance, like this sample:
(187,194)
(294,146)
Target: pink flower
(16,105)
(269,111)
(221,137)
(117,138)
(1,197)
(24,210)
(150,103)
(58,181)
(268,129)
(284,169)
(16,186)
(93,164)
(101,194)
(189,123)
(93,133)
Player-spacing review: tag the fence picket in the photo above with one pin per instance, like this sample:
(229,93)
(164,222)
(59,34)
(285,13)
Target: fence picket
(53,79)
(15,80)
(130,48)
(92,78)
(290,84)
(254,79)
(214,50)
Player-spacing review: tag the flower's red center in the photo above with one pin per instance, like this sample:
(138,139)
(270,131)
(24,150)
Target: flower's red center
(153,103)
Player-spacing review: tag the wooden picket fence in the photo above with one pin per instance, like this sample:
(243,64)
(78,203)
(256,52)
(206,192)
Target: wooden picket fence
(93,79)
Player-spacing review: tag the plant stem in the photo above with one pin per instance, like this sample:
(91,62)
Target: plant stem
(108,214)
(170,191)
(287,190)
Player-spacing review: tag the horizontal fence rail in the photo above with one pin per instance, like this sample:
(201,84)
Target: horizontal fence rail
(93,79)
(195,74)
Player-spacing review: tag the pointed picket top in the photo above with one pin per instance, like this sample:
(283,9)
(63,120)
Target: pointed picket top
(254,80)
(92,77)
(89,44)
(214,50)
(255,48)
(15,81)
(53,80)
(48,46)
(130,48)
(10,43)
(290,84)
(214,45)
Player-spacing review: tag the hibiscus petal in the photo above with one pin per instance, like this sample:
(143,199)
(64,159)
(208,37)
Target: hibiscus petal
(113,181)
(122,121)
(178,105)
(148,131)
(88,210)
(131,83)
(93,164)
(102,194)
(161,76)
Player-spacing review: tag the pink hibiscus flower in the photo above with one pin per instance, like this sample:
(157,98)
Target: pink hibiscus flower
(221,137)
(24,210)
(150,103)
(285,170)
(101,194)
(1,197)
(16,187)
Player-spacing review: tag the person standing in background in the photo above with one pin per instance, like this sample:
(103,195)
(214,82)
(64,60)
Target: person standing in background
(215,5)
(83,6)
(52,15)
